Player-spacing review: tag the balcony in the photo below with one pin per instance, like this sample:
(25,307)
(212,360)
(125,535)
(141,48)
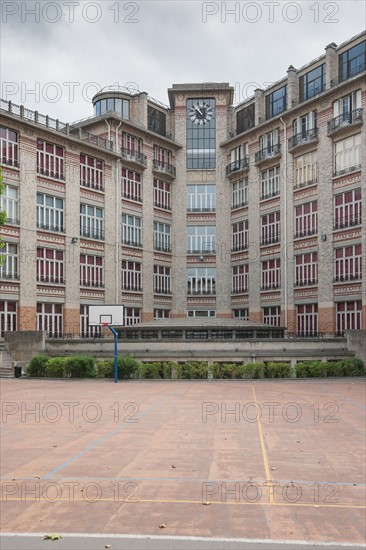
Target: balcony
(271,286)
(159,247)
(50,279)
(134,157)
(347,277)
(164,168)
(268,154)
(96,234)
(302,139)
(344,121)
(132,288)
(10,275)
(306,282)
(132,242)
(239,247)
(11,221)
(270,240)
(237,166)
(50,173)
(93,284)
(347,222)
(9,161)
(305,233)
(49,227)
(210,292)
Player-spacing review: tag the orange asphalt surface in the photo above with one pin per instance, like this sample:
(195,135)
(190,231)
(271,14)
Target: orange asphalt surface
(99,457)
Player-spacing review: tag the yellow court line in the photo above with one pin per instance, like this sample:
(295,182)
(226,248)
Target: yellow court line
(264,455)
(181,501)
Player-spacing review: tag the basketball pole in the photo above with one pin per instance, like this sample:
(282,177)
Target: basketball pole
(115,334)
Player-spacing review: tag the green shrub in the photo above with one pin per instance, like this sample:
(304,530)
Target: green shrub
(80,366)
(37,365)
(167,369)
(311,369)
(277,370)
(127,367)
(150,370)
(335,368)
(105,369)
(55,367)
(191,370)
(353,367)
(235,370)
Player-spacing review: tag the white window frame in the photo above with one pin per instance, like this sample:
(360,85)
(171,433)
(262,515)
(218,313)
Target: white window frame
(348,213)
(348,263)
(306,268)
(239,193)
(86,330)
(10,261)
(306,170)
(9,202)
(347,155)
(91,172)
(241,314)
(201,313)
(132,316)
(10,146)
(50,163)
(201,198)
(131,185)
(160,313)
(162,279)
(306,223)
(162,194)
(349,317)
(50,265)
(8,316)
(131,276)
(271,228)
(132,146)
(240,235)
(201,281)
(50,213)
(51,322)
(270,182)
(91,270)
(271,274)
(201,239)
(307,320)
(91,221)
(131,230)
(240,278)
(271,315)
(162,237)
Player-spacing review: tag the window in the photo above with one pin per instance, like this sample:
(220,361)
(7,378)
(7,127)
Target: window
(50,213)
(348,263)
(270,228)
(9,203)
(349,316)
(120,106)
(347,154)
(271,315)
(271,274)
(8,316)
(91,172)
(50,159)
(240,236)
(161,314)
(131,230)
(312,83)
(201,313)
(307,319)
(276,102)
(161,237)
(9,146)
(162,279)
(239,193)
(347,209)
(238,154)
(132,316)
(131,275)
(91,270)
(346,110)
(163,159)
(306,219)
(242,314)
(162,194)
(50,318)
(86,330)
(306,170)
(201,134)
(50,265)
(245,119)
(91,222)
(201,239)
(10,261)
(156,121)
(352,61)
(132,147)
(306,269)
(270,182)
(131,185)
(240,277)
(269,145)
(201,280)
(304,128)
(201,198)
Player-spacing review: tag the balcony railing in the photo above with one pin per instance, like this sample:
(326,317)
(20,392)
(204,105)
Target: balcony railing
(270,240)
(162,247)
(164,167)
(166,291)
(237,166)
(271,286)
(96,234)
(132,288)
(9,275)
(347,222)
(345,120)
(207,250)
(238,247)
(9,162)
(49,227)
(136,198)
(347,277)
(239,290)
(134,156)
(305,233)
(162,205)
(133,242)
(341,171)
(303,138)
(307,183)
(12,221)
(50,279)
(92,185)
(268,153)
(210,292)
(270,195)
(208,209)
(50,173)
(306,282)
(93,284)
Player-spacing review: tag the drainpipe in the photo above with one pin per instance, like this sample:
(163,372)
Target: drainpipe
(109,129)
(285,220)
(118,224)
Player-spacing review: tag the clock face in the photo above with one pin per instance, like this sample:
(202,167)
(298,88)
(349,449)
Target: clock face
(201,113)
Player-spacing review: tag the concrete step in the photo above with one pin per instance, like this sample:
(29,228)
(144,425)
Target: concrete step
(6,363)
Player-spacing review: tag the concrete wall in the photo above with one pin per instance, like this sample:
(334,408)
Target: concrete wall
(356,341)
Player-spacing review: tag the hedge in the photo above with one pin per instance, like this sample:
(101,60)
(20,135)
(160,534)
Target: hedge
(83,366)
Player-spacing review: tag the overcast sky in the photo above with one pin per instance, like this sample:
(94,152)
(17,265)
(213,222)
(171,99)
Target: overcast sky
(55,55)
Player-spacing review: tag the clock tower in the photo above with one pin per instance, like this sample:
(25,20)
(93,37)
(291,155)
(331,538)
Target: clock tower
(201,201)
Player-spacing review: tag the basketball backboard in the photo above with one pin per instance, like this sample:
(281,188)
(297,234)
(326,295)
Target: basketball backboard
(106,315)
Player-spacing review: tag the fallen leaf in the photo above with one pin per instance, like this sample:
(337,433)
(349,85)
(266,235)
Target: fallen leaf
(162,526)
(37,477)
(52,537)
(108,546)
(206,503)
(173,466)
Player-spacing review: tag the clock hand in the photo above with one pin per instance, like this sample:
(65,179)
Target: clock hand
(198,109)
